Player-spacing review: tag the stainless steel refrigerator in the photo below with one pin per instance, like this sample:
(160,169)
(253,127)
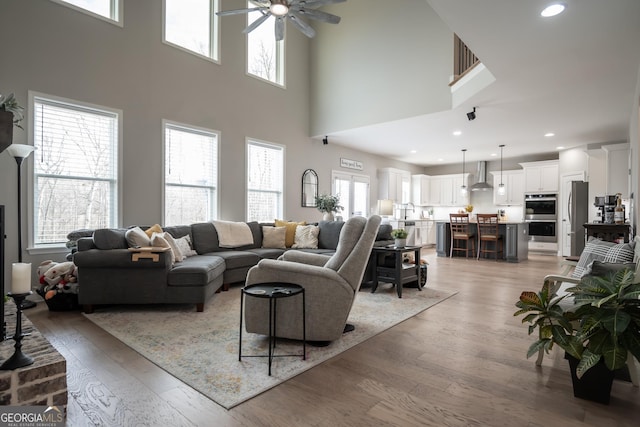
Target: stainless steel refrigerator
(578,211)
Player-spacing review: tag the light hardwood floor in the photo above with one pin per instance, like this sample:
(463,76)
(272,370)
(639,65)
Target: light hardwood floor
(460,363)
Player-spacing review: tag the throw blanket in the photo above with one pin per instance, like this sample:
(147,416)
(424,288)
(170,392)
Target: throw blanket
(233,234)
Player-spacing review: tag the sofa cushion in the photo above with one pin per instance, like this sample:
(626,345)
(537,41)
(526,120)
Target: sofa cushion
(161,240)
(196,271)
(110,238)
(184,246)
(329,234)
(267,253)
(306,237)
(291,230)
(274,237)
(599,250)
(237,259)
(205,237)
(137,238)
(178,230)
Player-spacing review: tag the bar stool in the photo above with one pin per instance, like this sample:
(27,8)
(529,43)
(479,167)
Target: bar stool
(489,235)
(461,232)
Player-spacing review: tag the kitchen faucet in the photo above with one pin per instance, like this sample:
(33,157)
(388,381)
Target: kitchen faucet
(406,206)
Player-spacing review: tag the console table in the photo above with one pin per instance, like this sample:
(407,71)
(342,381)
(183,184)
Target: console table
(608,232)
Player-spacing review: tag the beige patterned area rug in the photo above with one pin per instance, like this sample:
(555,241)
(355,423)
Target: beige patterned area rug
(201,349)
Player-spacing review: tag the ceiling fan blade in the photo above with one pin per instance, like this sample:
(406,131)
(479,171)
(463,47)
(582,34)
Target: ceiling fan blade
(239,11)
(301,25)
(279,28)
(255,24)
(319,15)
(261,3)
(314,4)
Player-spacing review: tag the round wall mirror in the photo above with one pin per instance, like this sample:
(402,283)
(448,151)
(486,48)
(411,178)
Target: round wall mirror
(309,188)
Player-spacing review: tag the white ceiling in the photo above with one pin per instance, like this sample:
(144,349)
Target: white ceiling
(573,74)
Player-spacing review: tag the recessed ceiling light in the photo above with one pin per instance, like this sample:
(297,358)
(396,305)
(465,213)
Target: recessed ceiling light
(549,134)
(441,160)
(413,151)
(560,147)
(553,10)
(457,132)
(493,154)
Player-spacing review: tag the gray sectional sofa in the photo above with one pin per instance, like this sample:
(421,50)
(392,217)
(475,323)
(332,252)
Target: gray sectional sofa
(107,273)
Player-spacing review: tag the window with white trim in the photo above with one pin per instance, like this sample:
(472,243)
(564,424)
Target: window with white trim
(190,175)
(265,55)
(265,181)
(110,10)
(192,25)
(75,168)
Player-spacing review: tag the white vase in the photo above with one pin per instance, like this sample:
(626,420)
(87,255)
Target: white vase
(328,216)
(400,243)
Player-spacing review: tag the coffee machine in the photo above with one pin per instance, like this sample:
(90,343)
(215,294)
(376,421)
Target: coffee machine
(606,206)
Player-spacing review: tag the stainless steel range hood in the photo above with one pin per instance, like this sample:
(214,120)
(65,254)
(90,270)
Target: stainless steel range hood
(481,184)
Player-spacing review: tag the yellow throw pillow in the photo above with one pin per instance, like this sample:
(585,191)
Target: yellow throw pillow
(290,235)
(155,228)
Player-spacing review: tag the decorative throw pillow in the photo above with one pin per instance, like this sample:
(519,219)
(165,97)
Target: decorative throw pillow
(137,238)
(175,251)
(599,250)
(184,246)
(274,237)
(306,237)
(291,230)
(155,228)
(158,240)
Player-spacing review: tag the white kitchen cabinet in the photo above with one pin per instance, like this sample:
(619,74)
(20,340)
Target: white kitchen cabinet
(513,181)
(540,176)
(394,184)
(435,190)
(617,156)
(444,190)
(420,188)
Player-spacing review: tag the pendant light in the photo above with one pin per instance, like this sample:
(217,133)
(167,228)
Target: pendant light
(501,188)
(463,189)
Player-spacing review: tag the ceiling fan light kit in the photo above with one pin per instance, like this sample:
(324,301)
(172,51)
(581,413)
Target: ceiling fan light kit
(292,10)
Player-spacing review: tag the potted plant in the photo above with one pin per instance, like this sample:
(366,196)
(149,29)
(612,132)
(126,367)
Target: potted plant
(328,205)
(400,237)
(11,114)
(597,333)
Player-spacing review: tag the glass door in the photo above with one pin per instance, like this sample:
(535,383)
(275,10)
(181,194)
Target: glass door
(353,191)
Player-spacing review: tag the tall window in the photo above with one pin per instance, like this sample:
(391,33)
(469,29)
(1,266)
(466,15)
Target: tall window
(191,174)
(75,168)
(265,55)
(353,191)
(109,9)
(192,25)
(265,181)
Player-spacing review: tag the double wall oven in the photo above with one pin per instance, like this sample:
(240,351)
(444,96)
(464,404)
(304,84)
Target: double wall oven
(541,213)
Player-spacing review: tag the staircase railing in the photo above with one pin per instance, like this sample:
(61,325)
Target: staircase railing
(464,59)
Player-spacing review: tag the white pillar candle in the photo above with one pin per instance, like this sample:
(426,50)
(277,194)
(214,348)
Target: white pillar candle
(21,278)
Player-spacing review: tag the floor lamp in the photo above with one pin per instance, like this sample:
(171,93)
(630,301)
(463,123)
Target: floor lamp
(21,152)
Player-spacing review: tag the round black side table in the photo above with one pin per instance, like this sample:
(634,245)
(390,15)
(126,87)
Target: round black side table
(273,292)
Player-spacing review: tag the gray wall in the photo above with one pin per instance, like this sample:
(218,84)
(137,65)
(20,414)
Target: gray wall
(52,49)
(391,62)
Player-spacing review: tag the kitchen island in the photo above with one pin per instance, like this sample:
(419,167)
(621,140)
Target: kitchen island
(515,236)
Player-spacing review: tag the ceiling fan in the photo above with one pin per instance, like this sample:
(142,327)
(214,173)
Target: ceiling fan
(294,10)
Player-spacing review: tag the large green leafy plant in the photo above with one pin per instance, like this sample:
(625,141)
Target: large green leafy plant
(603,323)
(9,104)
(608,310)
(328,203)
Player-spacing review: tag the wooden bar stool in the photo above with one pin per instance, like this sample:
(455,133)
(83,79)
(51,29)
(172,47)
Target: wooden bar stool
(489,235)
(461,232)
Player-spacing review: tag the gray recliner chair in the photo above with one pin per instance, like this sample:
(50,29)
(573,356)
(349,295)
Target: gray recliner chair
(331,284)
